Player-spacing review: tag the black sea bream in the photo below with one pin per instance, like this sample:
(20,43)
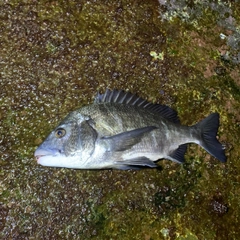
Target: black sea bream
(123,131)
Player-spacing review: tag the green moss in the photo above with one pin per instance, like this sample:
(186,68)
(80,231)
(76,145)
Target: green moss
(188,236)
(233,88)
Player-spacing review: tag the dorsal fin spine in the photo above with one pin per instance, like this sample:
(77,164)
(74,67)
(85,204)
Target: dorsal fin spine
(130,99)
(122,97)
(116,97)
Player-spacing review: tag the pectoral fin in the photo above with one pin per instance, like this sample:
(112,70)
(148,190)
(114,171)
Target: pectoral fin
(126,140)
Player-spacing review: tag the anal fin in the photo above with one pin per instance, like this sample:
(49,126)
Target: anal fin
(178,154)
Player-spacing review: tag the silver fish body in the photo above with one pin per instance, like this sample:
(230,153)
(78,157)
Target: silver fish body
(122,131)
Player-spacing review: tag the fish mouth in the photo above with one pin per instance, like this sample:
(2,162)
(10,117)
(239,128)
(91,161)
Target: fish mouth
(40,153)
(37,157)
(51,157)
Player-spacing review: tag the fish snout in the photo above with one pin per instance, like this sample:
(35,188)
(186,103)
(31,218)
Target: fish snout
(41,152)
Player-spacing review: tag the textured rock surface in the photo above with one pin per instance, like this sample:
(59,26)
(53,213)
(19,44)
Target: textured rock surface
(54,57)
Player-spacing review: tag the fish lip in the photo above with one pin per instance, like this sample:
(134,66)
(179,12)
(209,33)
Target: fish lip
(38,157)
(40,152)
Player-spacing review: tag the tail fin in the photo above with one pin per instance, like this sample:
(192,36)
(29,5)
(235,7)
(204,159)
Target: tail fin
(208,128)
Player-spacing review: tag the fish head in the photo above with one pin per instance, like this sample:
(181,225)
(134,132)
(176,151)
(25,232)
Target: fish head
(61,147)
(69,145)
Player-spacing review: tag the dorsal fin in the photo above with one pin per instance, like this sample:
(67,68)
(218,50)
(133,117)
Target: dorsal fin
(122,97)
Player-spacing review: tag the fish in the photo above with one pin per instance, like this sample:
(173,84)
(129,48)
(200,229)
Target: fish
(120,130)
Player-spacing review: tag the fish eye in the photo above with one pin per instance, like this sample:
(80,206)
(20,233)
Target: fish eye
(60,132)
